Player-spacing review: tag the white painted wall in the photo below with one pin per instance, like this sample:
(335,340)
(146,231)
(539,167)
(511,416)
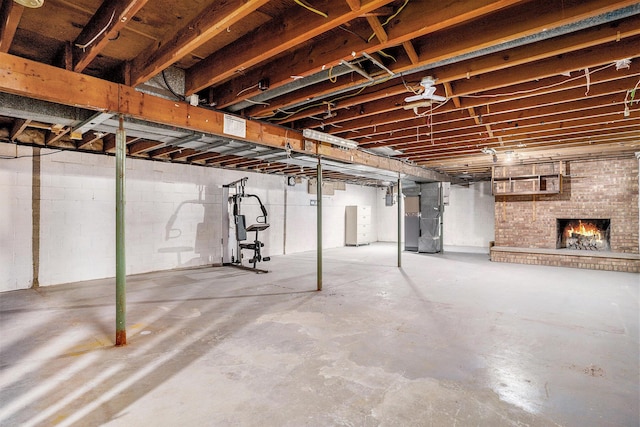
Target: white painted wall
(15,218)
(387,223)
(469,218)
(301,216)
(173,215)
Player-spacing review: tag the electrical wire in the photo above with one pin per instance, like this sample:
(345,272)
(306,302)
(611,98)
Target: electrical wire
(332,79)
(342,27)
(521,92)
(299,2)
(251,101)
(30,155)
(386,55)
(246,89)
(90,42)
(390,18)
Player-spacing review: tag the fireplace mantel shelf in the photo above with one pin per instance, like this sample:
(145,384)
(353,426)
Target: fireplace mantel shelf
(546,179)
(568,252)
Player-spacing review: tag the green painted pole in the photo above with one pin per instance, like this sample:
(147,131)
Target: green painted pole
(399,222)
(319,223)
(121,271)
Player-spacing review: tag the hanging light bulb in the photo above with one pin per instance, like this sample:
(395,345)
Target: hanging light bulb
(30,3)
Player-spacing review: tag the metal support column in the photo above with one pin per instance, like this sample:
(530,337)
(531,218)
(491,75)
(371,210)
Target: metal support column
(121,271)
(399,222)
(319,223)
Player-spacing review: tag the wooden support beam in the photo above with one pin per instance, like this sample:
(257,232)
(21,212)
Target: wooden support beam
(109,143)
(111,17)
(516,105)
(411,23)
(55,134)
(377,28)
(214,20)
(19,125)
(354,4)
(437,46)
(449,94)
(31,79)
(10,15)
(474,116)
(411,52)
(89,138)
(184,153)
(293,30)
(202,157)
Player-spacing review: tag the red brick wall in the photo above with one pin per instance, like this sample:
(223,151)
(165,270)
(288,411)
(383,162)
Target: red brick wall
(606,188)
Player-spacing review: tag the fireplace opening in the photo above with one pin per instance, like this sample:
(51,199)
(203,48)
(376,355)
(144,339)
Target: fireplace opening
(583,234)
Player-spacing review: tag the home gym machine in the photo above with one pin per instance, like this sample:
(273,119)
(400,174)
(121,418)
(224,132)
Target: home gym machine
(237,242)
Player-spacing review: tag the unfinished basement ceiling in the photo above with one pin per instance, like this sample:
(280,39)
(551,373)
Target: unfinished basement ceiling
(524,80)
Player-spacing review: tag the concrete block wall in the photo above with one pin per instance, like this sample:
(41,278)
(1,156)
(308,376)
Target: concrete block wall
(301,215)
(606,188)
(16,267)
(173,215)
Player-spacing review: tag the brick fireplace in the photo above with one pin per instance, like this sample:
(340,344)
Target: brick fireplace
(583,234)
(593,222)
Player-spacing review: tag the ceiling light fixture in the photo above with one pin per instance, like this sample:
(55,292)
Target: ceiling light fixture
(331,139)
(30,3)
(428,93)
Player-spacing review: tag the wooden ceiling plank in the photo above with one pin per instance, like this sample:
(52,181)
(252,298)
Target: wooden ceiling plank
(284,34)
(104,25)
(10,15)
(214,20)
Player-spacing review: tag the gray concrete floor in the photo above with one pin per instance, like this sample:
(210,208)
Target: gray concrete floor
(448,340)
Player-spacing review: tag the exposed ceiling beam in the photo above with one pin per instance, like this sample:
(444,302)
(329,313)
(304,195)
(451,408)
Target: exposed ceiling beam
(598,56)
(19,126)
(522,97)
(214,19)
(22,77)
(10,15)
(111,17)
(410,23)
(295,29)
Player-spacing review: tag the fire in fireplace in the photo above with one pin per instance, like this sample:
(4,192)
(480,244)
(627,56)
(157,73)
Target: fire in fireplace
(584,234)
